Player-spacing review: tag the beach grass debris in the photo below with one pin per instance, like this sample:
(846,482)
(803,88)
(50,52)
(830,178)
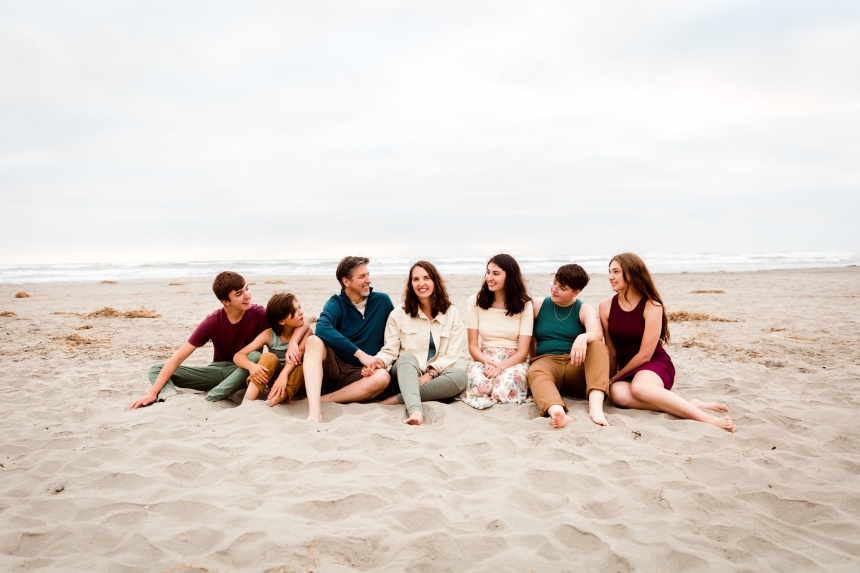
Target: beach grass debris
(174,284)
(711,291)
(78,340)
(184,567)
(22,294)
(275,282)
(108,282)
(84,327)
(7,313)
(773,329)
(688,316)
(109,312)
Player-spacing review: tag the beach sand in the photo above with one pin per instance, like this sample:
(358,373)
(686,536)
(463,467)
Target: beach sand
(86,485)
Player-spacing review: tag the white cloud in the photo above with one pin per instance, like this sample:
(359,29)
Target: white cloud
(141,131)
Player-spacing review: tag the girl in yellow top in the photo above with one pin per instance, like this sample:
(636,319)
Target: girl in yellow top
(499,324)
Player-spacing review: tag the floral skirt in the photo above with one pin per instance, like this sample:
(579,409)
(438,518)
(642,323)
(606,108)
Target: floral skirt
(509,387)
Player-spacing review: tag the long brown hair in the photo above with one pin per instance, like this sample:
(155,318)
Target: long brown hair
(439,299)
(638,279)
(516,293)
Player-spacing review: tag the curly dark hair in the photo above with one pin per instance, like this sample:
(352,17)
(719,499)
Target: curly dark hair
(440,301)
(516,293)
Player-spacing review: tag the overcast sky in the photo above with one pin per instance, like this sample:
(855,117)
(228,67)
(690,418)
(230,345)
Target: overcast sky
(152,131)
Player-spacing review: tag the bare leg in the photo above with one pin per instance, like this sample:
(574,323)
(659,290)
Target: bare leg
(595,407)
(646,392)
(415,419)
(390,401)
(558,417)
(714,406)
(251,393)
(359,391)
(315,353)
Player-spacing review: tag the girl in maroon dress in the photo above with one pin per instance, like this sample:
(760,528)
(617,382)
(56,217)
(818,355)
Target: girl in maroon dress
(634,327)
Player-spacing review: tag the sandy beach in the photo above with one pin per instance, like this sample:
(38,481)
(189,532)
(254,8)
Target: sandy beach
(86,485)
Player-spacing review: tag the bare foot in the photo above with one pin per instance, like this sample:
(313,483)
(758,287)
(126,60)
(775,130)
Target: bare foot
(390,401)
(598,417)
(714,406)
(315,418)
(558,417)
(726,423)
(416,419)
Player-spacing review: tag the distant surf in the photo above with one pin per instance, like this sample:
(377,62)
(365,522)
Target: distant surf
(657,262)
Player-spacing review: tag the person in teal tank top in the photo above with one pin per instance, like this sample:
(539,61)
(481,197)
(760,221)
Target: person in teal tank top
(568,354)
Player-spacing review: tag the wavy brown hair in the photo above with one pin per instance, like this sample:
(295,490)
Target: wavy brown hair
(516,293)
(638,279)
(439,300)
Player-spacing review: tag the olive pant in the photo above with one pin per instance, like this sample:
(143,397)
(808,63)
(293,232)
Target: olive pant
(405,374)
(220,379)
(551,375)
(295,379)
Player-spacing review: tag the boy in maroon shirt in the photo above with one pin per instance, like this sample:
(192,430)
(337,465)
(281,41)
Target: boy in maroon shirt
(230,329)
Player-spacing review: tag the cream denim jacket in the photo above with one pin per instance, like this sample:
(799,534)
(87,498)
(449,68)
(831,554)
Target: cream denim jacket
(406,334)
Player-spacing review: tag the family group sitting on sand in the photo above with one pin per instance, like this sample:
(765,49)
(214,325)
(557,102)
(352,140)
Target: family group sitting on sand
(364,348)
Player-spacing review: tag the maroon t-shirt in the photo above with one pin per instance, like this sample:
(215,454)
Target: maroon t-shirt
(227,338)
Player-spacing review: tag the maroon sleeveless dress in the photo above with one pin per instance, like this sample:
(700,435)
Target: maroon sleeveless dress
(626,330)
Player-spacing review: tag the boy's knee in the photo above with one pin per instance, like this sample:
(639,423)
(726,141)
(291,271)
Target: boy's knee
(154,371)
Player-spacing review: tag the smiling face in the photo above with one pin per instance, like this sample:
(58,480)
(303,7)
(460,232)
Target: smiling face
(239,299)
(422,284)
(616,276)
(359,283)
(495,278)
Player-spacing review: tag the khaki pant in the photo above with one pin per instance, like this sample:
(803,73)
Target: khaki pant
(551,375)
(295,380)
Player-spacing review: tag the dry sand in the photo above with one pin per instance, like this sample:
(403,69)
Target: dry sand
(89,486)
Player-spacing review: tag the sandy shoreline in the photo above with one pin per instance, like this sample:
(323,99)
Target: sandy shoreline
(89,486)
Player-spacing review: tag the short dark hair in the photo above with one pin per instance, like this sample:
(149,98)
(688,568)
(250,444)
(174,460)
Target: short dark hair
(346,267)
(573,277)
(225,283)
(280,306)
(441,302)
(516,293)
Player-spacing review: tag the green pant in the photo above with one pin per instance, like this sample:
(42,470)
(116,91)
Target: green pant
(220,379)
(405,373)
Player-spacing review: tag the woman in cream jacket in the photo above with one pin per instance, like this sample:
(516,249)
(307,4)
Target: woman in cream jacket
(424,340)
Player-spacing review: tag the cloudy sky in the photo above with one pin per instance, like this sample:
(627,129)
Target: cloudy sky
(151,131)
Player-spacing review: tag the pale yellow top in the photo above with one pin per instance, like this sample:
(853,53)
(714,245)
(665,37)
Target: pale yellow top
(406,334)
(495,327)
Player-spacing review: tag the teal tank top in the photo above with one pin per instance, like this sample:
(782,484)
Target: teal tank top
(557,327)
(278,348)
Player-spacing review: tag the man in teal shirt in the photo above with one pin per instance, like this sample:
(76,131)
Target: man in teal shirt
(339,362)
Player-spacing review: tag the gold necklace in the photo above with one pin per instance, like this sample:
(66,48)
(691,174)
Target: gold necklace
(568,312)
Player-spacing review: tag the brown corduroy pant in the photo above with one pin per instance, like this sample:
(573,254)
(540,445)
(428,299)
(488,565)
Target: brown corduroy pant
(552,375)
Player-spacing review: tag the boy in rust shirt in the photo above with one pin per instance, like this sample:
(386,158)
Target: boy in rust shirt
(230,329)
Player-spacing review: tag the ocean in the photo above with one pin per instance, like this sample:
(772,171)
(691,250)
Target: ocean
(657,262)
